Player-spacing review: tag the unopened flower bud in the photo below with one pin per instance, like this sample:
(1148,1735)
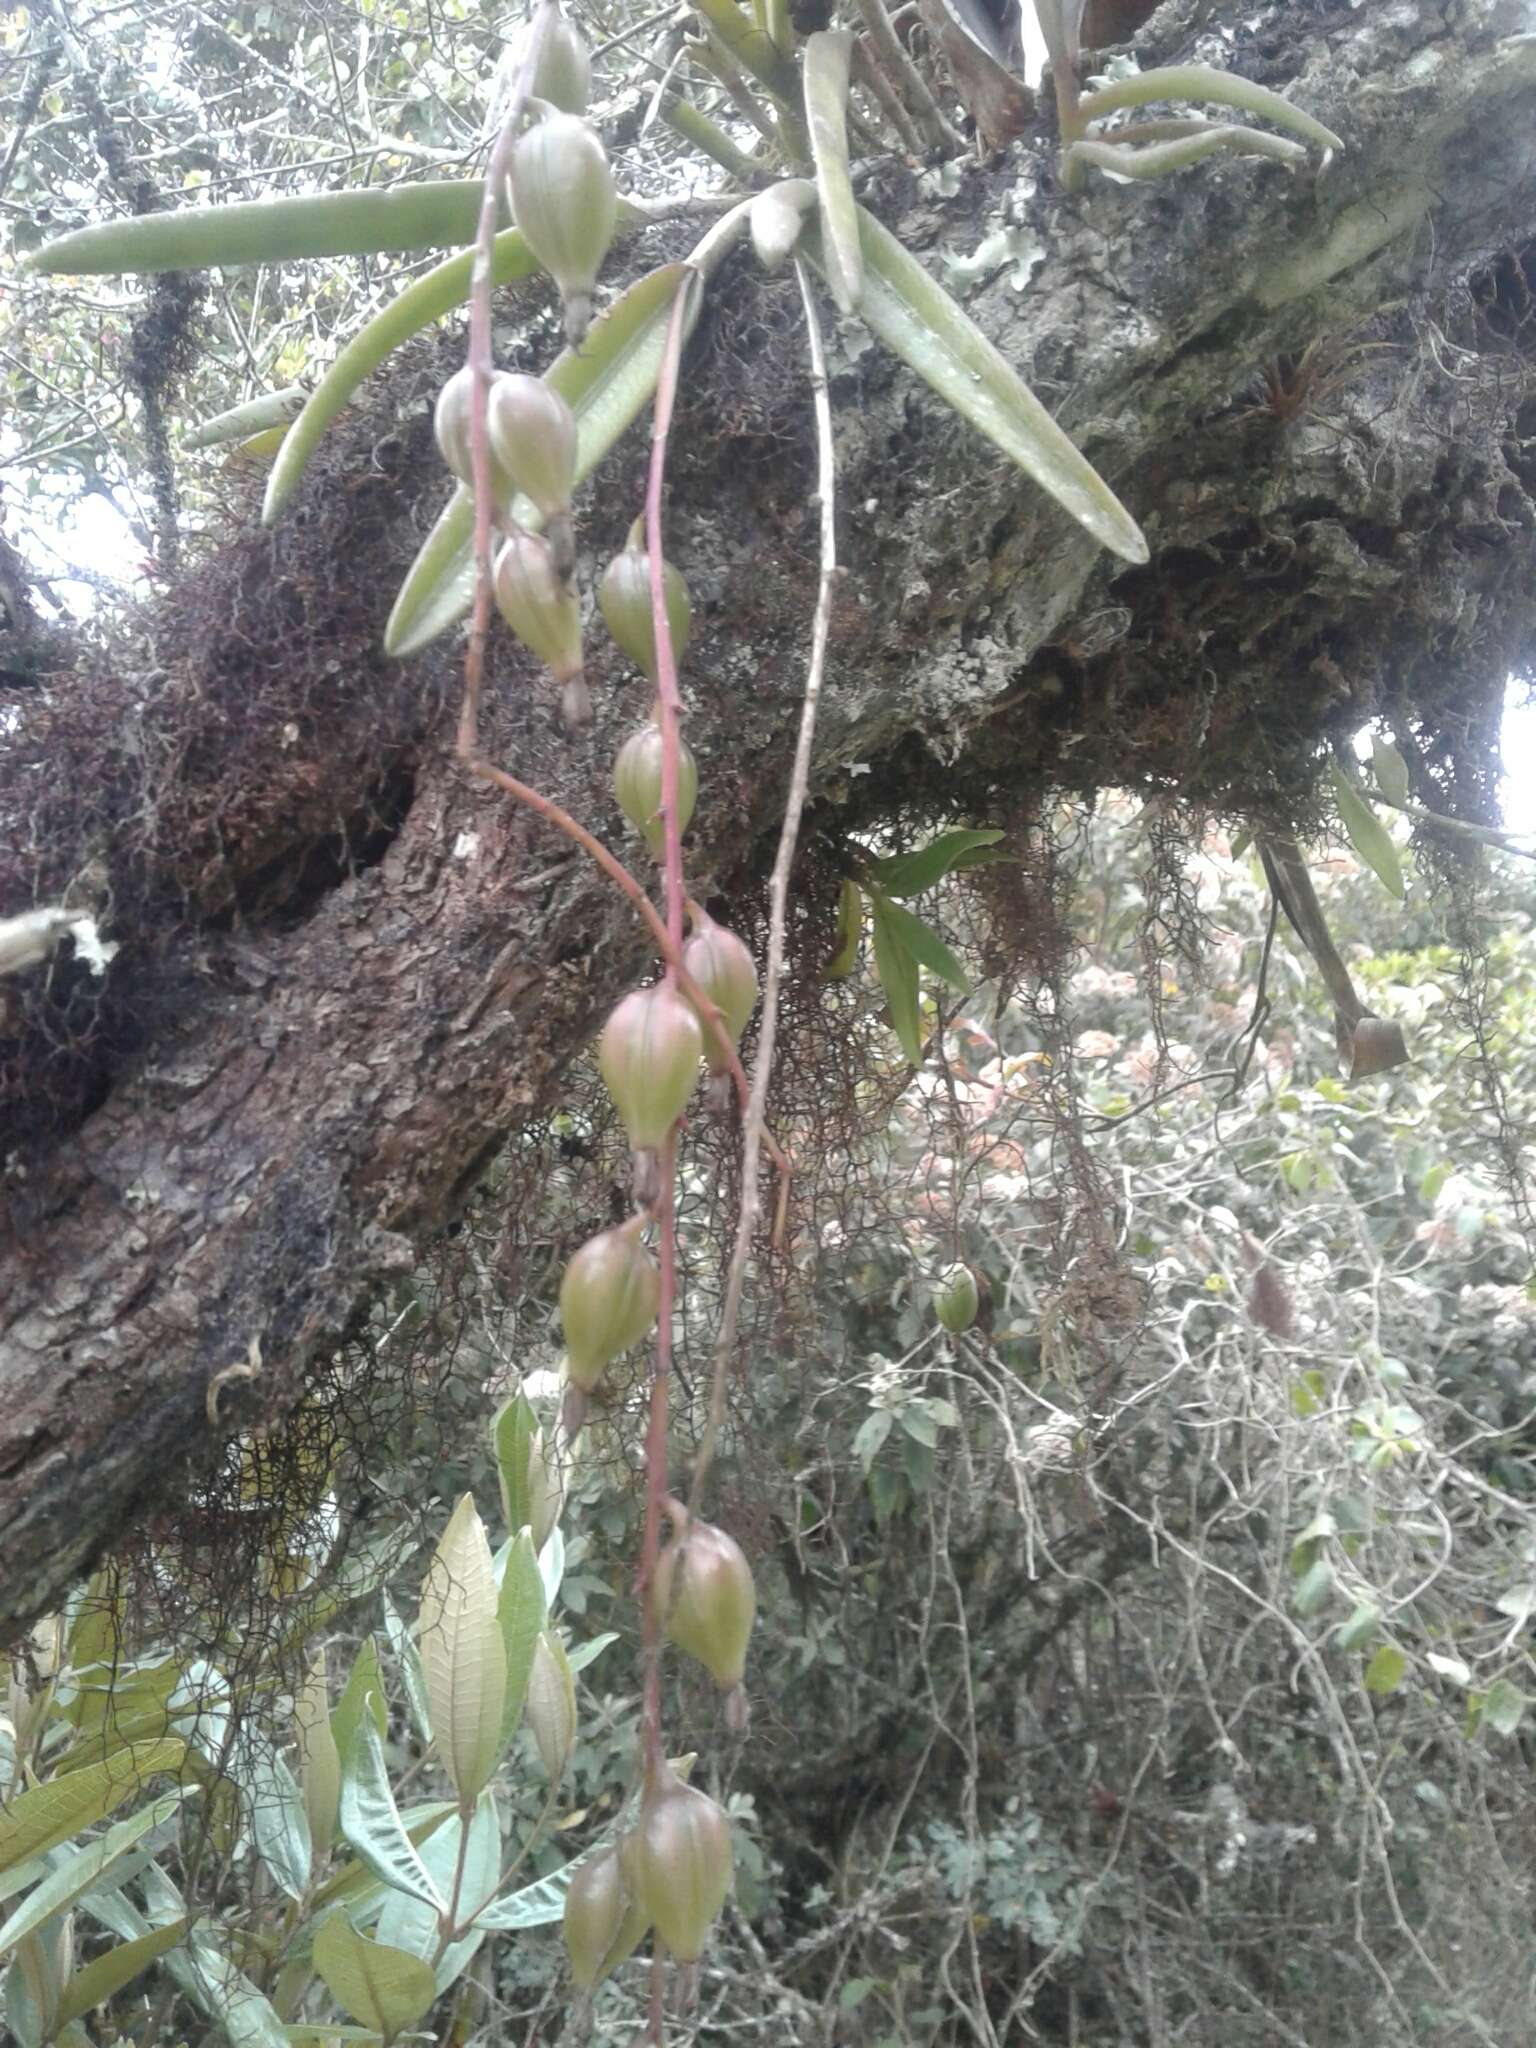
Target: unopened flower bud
(706,1597)
(603,1924)
(533,439)
(451,423)
(722,966)
(563,74)
(679,1863)
(539,605)
(648,1055)
(624,598)
(565,205)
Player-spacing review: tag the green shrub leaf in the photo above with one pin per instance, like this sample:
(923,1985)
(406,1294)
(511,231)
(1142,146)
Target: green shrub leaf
(1367,835)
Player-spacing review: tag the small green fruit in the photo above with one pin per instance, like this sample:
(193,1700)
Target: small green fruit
(648,1056)
(624,598)
(679,1863)
(539,605)
(603,1925)
(564,201)
(608,1301)
(451,425)
(956,1299)
(533,440)
(563,74)
(706,1597)
(637,785)
(722,966)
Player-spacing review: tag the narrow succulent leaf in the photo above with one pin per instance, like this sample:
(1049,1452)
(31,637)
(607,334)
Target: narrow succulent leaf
(83,1868)
(438,214)
(919,321)
(521,1613)
(898,977)
(751,48)
(512,1428)
(923,943)
(1367,835)
(1391,771)
(1130,159)
(362,1693)
(850,931)
(370,1819)
(909,874)
(271,409)
(828,57)
(462,1654)
(108,1973)
(606,386)
(536,1905)
(1199,83)
(382,1987)
(53,1811)
(406,1654)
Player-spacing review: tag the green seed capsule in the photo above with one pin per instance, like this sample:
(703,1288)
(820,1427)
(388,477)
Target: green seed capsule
(608,1301)
(563,75)
(539,605)
(706,1597)
(637,785)
(563,200)
(532,433)
(723,968)
(679,1863)
(603,1924)
(624,598)
(451,425)
(956,1301)
(648,1056)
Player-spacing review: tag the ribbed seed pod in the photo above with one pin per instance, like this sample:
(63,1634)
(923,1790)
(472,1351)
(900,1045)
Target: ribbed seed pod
(563,200)
(624,599)
(533,439)
(956,1299)
(563,75)
(722,966)
(538,604)
(637,785)
(603,1924)
(679,1863)
(451,425)
(706,1597)
(648,1056)
(608,1301)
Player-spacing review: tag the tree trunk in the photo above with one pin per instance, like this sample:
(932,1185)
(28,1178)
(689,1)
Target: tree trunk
(345,976)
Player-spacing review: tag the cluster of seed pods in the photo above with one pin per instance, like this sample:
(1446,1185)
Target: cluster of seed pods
(671,1868)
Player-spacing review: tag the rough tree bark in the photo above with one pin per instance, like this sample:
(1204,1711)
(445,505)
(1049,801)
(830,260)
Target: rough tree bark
(301,1062)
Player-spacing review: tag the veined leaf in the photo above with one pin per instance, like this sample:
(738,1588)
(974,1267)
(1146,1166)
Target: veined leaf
(1367,835)
(51,1812)
(408,1657)
(1199,83)
(1504,1706)
(918,320)
(898,977)
(606,384)
(512,1429)
(536,1905)
(521,1614)
(1362,1624)
(550,1709)
(383,1988)
(274,1807)
(462,1653)
(909,874)
(1385,1671)
(363,1692)
(409,1925)
(319,1757)
(438,214)
(922,942)
(106,1974)
(84,1867)
(828,57)
(354,1884)
(370,1819)
(588,1652)
(850,930)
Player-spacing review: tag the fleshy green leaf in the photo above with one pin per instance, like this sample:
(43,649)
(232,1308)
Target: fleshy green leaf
(408,1924)
(1390,769)
(53,1811)
(1385,1671)
(1314,1589)
(438,214)
(850,930)
(606,384)
(1367,835)
(382,1987)
(923,943)
(106,1974)
(898,977)
(1504,1707)
(1355,1633)
(909,874)
(828,56)
(370,1819)
(512,1431)
(917,319)
(462,1653)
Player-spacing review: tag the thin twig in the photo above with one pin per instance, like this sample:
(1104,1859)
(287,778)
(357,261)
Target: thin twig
(778,891)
